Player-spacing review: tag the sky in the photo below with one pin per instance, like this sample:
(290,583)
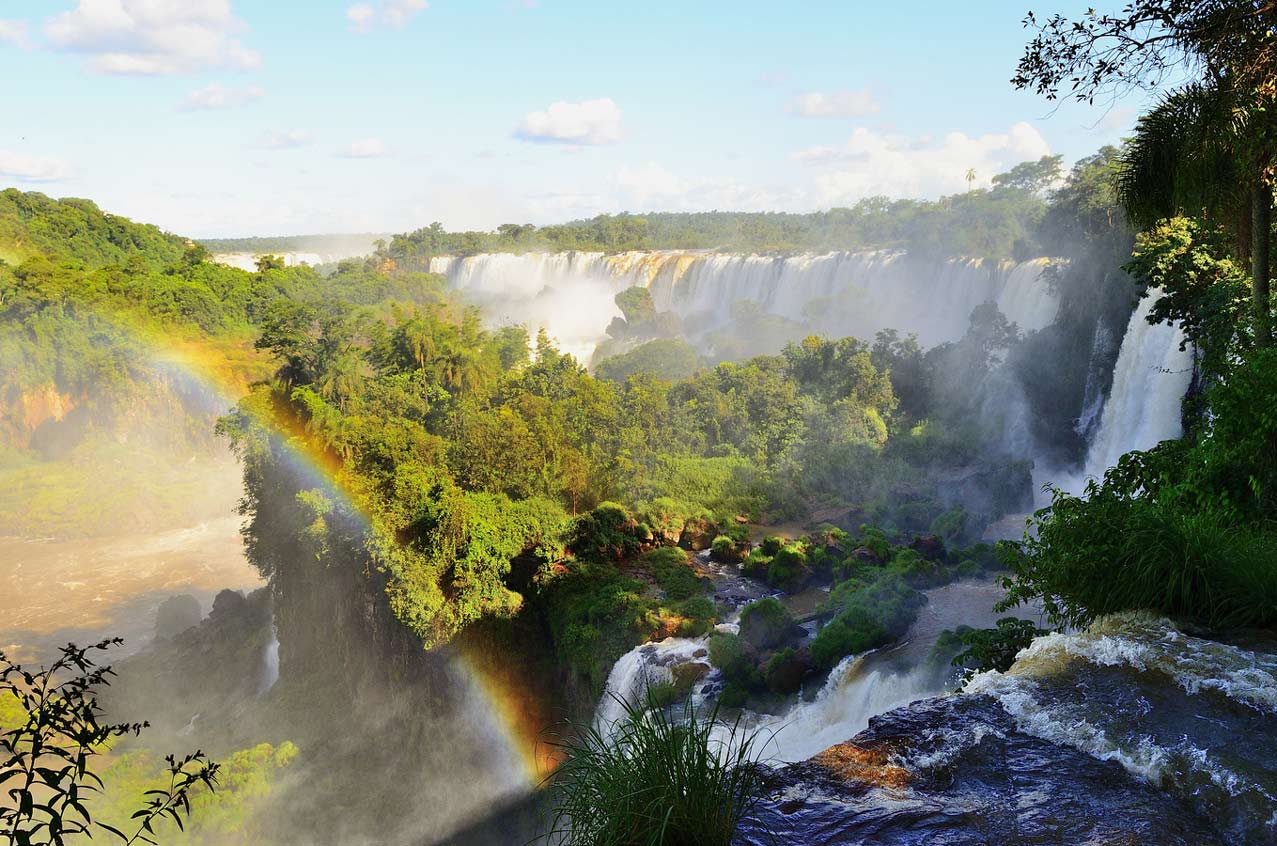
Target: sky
(222,118)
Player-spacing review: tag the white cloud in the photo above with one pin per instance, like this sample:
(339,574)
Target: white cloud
(587,122)
(151,37)
(26,168)
(392,13)
(836,104)
(364,148)
(873,163)
(15,32)
(288,139)
(217,96)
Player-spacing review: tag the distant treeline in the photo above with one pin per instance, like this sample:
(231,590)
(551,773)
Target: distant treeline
(1004,221)
(348,243)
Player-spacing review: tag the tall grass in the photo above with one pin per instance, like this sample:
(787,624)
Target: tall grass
(659,779)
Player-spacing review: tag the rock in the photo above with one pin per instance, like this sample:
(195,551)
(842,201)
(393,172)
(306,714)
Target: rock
(697,534)
(785,670)
(687,675)
(227,602)
(928,547)
(865,555)
(177,614)
(957,771)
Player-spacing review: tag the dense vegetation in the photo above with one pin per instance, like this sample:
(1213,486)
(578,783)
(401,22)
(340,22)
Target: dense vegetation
(1186,527)
(999,222)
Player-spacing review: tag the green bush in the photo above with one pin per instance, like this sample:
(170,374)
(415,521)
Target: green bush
(788,567)
(670,567)
(725,549)
(875,541)
(766,623)
(608,533)
(756,564)
(996,648)
(730,654)
(699,616)
(771,545)
(868,616)
(779,673)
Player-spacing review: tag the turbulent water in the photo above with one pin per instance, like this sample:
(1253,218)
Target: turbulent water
(1129,732)
(859,688)
(570,294)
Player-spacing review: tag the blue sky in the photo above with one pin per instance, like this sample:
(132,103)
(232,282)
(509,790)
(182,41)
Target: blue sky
(259,117)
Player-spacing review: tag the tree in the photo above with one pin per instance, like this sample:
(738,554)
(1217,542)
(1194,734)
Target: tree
(1219,117)
(970,177)
(45,757)
(1204,149)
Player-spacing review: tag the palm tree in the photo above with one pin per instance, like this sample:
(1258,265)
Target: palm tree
(970,179)
(1205,150)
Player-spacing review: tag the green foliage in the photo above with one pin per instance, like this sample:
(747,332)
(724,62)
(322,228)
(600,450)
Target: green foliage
(725,549)
(1190,268)
(1184,528)
(788,567)
(867,615)
(47,749)
(996,648)
(729,653)
(765,623)
(664,358)
(656,778)
(674,573)
(608,532)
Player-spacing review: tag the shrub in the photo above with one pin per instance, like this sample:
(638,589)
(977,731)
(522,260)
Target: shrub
(996,648)
(662,694)
(875,541)
(783,672)
(756,564)
(730,654)
(656,778)
(606,533)
(766,623)
(698,616)
(788,567)
(669,566)
(725,549)
(772,544)
(868,616)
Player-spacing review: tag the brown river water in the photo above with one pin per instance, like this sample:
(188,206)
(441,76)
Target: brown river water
(55,591)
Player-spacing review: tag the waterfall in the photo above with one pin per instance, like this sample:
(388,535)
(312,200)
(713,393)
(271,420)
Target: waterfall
(270,663)
(571,294)
(639,669)
(1149,382)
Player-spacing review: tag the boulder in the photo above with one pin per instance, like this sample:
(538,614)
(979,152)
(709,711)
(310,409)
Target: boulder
(928,547)
(177,614)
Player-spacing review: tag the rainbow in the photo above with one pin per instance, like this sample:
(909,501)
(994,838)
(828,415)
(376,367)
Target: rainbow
(510,704)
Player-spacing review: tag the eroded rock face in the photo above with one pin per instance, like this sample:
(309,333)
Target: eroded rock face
(955,771)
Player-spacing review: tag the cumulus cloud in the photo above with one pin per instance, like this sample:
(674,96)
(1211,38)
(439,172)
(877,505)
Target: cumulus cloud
(364,148)
(14,32)
(587,122)
(287,139)
(217,96)
(153,37)
(392,13)
(835,104)
(26,168)
(873,163)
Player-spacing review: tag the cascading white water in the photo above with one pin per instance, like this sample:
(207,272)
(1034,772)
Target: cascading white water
(639,669)
(571,294)
(270,663)
(1149,382)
